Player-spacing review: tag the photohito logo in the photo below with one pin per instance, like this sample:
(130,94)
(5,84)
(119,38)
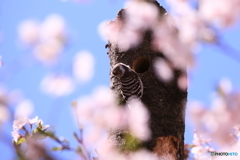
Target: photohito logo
(224,154)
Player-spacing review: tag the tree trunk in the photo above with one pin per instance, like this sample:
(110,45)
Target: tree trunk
(165,101)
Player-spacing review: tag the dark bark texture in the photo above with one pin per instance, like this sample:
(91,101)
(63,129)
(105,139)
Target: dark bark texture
(165,101)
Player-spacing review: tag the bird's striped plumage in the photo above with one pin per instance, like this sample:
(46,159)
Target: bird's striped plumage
(131,84)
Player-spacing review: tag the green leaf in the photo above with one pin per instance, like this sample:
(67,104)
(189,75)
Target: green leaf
(57,149)
(131,143)
(21,140)
(80,151)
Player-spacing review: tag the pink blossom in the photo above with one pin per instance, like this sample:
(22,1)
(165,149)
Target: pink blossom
(138,120)
(225,85)
(100,109)
(127,33)
(19,123)
(57,85)
(163,69)
(53,27)
(28,32)
(101,112)
(4,113)
(107,151)
(24,108)
(117,32)
(201,147)
(199,140)
(110,154)
(39,123)
(83,66)
(222,115)
(47,52)
(183,82)
(109,30)
(138,20)
(167,41)
(223,12)
(34,120)
(47,39)
(15,136)
(142,154)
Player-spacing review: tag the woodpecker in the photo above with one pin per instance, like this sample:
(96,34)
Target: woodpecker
(131,84)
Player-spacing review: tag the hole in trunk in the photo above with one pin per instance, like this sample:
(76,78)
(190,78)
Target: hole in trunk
(141,64)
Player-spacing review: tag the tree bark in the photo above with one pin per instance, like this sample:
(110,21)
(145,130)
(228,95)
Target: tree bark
(164,101)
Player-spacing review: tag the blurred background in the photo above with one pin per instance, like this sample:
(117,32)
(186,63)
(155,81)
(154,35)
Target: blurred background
(43,42)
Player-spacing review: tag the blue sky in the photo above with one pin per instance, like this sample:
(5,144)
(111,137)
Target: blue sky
(82,20)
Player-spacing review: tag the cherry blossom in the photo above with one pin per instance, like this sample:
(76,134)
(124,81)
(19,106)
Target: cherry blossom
(4,113)
(15,136)
(163,69)
(39,124)
(222,115)
(201,148)
(19,123)
(29,31)
(138,120)
(101,112)
(57,85)
(126,33)
(47,39)
(24,108)
(83,66)
(48,51)
(223,12)
(107,151)
(34,120)
(53,27)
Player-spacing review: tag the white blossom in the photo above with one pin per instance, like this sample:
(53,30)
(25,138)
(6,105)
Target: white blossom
(28,32)
(143,154)
(127,33)
(24,108)
(83,66)
(15,136)
(183,82)
(53,27)
(138,120)
(220,12)
(28,132)
(163,69)
(225,85)
(48,51)
(47,38)
(19,123)
(4,113)
(39,123)
(57,85)
(34,120)
(137,19)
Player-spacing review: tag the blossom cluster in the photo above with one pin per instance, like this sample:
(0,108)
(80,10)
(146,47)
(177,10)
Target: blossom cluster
(200,147)
(47,38)
(26,125)
(219,120)
(62,84)
(99,112)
